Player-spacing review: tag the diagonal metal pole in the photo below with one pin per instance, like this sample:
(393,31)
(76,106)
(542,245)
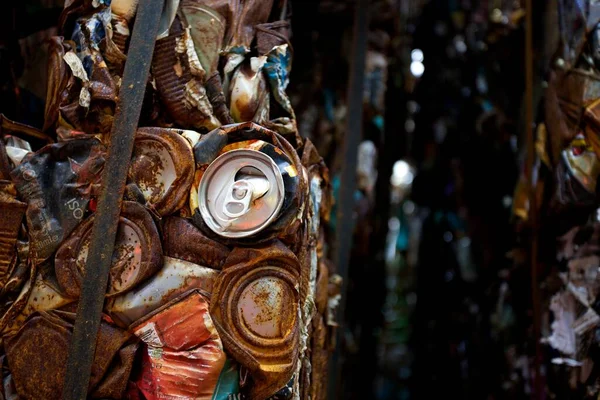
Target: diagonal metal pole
(95,280)
(345,220)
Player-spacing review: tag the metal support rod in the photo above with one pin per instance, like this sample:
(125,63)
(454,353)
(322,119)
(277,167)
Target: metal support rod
(533,214)
(95,279)
(345,218)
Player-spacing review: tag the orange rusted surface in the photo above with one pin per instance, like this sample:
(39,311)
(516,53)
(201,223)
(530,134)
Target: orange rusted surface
(162,165)
(196,295)
(195,248)
(177,363)
(175,278)
(179,81)
(137,254)
(255,307)
(11,217)
(37,356)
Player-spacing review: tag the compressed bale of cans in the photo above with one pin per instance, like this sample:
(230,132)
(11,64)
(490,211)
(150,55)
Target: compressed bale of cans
(564,184)
(219,287)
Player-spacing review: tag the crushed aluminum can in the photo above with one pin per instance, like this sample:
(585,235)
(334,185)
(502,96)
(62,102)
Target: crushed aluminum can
(175,278)
(120,32)
(12,212)
(591,121)
(576,175)
(241,192)
(195,247)
(17,149)
(18,272)
(179,78)
(580,241)
(562,337)
(40,374)
(92,97)
(248,94)
(262,292)
(57,183)
(59,78)
(214,90)
(207,29)
(45,295)
(320,184)
(562,109)
(314,372)
(246,14)
(582,162)
(251,209)
(136,257)
(12,308)
(583,271)
(255,308)
(312,352)
(277,69)
(16,143)
(184,356)
(319,359)
(272,34)
(242,18)
(114,47)
(162,166)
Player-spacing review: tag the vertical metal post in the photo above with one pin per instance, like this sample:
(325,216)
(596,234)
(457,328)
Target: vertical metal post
(95,280)
(345,219)
(533,214)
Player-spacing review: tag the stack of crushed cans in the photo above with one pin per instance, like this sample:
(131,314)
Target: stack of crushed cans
(567,197)
(219,287)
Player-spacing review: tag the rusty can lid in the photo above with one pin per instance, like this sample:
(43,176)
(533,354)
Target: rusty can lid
(240,193)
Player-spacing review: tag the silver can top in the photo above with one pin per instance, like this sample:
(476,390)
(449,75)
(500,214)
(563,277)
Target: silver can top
(240,193)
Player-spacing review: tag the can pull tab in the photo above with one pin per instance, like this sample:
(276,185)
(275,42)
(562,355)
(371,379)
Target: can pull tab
(242,193)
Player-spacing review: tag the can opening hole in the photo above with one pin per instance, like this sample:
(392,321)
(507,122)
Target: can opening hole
(252,171)
(235,208)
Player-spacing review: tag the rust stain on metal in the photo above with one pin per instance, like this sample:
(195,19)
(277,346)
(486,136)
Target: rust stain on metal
(268,351)
(162,166)
(177,363)
(183,95)
(11,217)
(40,374)
(195,247)
(137,68)
(175,278)
(137,252)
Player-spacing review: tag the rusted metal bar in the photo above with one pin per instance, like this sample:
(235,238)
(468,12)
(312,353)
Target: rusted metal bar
(95,279)
(345,220)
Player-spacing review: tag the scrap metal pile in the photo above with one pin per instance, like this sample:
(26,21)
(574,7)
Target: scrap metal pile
(566,198)
(219,286)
